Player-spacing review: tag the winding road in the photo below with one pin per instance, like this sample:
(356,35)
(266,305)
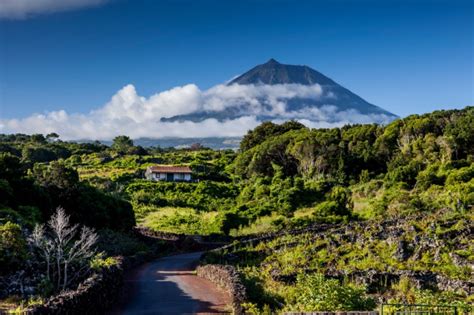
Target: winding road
(169,286)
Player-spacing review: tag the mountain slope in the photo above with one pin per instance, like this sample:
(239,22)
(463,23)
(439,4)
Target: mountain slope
(275,91)
(273,72)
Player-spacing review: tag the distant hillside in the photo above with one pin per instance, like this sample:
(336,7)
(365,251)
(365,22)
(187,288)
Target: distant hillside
(215,143)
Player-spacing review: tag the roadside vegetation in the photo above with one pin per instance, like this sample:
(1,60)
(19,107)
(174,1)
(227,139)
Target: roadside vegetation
(341,205)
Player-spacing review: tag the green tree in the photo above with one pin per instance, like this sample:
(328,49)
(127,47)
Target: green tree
(265,130)
(10,166)
(38,138)
(52,136)
(56,174)
(122,144)
(37,154)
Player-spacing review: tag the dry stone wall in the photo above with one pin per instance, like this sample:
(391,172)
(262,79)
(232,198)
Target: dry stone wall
(93,296)
(227,278)
(332,313)
(97,294)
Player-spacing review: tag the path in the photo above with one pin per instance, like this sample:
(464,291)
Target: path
(170,286)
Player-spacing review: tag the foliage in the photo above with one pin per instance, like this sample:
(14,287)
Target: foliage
(265,131)
(99,262)
(13,248)
(313,292)
(183,220)
(353,248)
(16,305)
(115,243)
(407,293)
(85,204)
(285,177)
(122,144)
(28,199)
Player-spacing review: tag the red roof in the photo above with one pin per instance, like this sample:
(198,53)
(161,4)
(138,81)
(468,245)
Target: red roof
(170,169)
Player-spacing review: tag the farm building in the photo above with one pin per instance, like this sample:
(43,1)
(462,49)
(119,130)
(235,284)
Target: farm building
(169,173)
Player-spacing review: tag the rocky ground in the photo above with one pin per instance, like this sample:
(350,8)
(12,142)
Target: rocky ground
(432,252)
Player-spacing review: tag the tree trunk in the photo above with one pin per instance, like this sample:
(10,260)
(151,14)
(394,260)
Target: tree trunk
(47,268)
(58,263)
(65,276)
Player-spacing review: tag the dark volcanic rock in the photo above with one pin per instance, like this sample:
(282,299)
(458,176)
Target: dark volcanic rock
(272,72)
(404,250)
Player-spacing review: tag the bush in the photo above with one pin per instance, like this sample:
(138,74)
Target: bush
(184,220)
(38,154)
(328,208)
(115,243)
(462,175)
(13,249)
(85,204)
(430,176)
(9,215)
(99,262)
(339,204)
(314,292)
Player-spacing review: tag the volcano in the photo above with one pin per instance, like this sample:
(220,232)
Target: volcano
(276,91)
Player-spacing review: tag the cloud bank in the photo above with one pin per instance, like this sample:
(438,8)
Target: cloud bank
(136,116)
(20,9)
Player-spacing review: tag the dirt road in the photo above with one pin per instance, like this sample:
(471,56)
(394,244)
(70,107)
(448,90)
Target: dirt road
(170,286)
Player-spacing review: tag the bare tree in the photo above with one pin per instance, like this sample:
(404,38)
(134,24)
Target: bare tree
(81,251)
(46,246)
(62,247)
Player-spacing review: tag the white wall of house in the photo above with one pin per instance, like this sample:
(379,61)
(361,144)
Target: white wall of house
(163,176)
(182,176)
(178,176)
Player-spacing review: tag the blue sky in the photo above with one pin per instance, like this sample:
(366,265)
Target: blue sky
(405,56)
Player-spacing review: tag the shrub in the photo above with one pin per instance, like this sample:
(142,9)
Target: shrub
(13,248)
(38,154)
(330,208)
(99,262)
(114,243)
(184,220)
(9,215)
(462,175)
(313,292)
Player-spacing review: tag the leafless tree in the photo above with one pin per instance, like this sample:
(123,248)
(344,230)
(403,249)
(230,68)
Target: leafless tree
(46,246)
(61,247)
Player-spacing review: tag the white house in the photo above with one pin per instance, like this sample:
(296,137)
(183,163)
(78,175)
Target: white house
(169,173)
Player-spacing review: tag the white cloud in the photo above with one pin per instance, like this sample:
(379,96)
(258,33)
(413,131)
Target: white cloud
(20,9)
(252,99)
(127,104)
(137,116)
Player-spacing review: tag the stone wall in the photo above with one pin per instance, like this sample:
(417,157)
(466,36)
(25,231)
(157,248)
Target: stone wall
(93,296)
(145,233)
(332,313)
(101,291)
(389,231)
(227,278)
(181,242)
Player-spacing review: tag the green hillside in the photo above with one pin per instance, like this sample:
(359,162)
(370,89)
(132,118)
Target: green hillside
(363,210)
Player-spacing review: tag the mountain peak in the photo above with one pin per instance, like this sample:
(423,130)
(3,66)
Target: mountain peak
(272,62)
(272,72)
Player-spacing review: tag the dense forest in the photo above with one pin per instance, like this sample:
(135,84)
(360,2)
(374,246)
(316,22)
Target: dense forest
(338,202)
